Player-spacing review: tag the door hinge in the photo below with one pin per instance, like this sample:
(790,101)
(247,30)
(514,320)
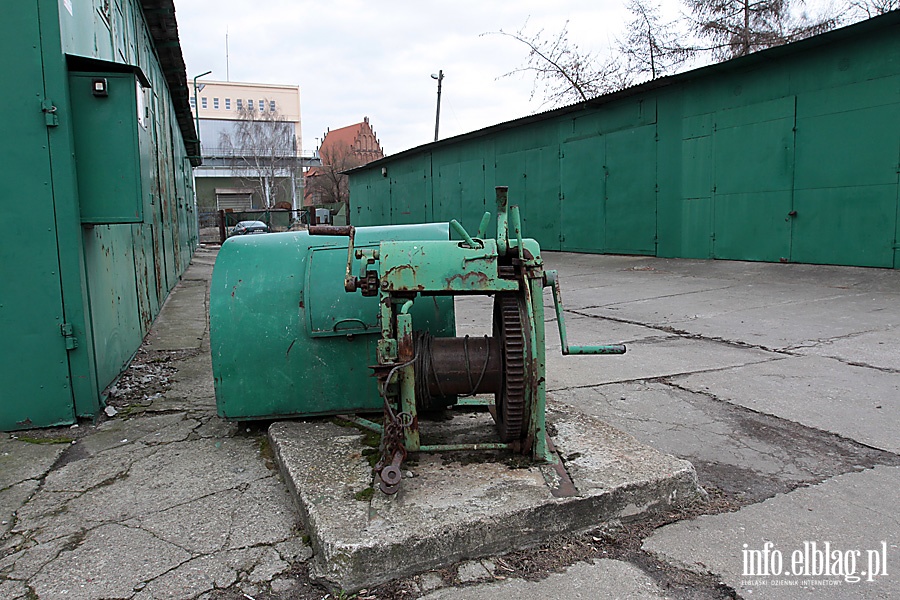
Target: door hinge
(68,333)
(51,119)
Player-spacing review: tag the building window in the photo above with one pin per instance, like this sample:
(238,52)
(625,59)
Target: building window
(227,103)
(216,103)
(203,102)
(240,104)
(193,103)
(271,106)
(262,105)
(250,105)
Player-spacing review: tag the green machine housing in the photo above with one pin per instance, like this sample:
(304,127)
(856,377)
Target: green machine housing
(287,340)
(290,337)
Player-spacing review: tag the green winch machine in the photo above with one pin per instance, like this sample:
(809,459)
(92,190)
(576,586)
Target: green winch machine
(290,339)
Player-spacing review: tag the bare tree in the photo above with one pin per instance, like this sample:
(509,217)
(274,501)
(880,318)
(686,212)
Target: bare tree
(651,46)
(562,72)
(263,151)
(327,185)
(872,8)
(739,27)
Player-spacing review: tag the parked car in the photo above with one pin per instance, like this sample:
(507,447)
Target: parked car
(248,227)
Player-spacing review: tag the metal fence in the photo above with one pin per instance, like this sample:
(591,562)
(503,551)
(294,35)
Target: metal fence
(216,226)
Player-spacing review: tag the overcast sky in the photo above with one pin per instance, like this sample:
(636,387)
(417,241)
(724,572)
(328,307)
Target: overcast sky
(354,58)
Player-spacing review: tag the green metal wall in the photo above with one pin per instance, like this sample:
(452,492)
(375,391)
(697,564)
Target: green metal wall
(788,155)
(78,297)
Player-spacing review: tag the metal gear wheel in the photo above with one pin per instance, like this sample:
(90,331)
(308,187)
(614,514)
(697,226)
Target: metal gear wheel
(512,409)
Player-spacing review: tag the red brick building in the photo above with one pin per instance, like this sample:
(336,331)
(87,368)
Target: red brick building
(341,149)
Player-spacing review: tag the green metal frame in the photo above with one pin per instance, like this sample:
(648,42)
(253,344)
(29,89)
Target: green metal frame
(407,270)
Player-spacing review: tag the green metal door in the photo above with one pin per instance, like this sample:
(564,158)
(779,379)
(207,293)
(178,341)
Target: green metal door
(510,172)
(753,174)
(472,199)
(409,194)
(583,193)
(540,213)
(34,364)
(848,142)
(631,191)
(447,202)
(696,224)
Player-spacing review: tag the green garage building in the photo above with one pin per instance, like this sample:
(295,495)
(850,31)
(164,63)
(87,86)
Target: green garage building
(96,146)
(790,154)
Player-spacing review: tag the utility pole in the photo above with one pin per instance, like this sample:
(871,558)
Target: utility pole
(437,117)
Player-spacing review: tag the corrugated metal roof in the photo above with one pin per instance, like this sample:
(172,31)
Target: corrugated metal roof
(160,17)
(891,19)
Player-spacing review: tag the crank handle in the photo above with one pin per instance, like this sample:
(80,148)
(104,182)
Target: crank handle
(350,284)
(552,280)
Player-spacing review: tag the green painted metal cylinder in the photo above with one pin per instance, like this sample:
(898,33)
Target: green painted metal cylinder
(287,340)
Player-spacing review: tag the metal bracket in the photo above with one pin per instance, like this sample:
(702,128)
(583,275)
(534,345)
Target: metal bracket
(69,334)
(51,119)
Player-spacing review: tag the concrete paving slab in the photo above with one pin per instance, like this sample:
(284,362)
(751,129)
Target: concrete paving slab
(646,288)
(474,318)
(877,349)
(454,509)
(23,460)
(184,325)
(581,329)
(775,306)
(94,572)
(748,455)
(856,402)
(673,305)
(799,323)
(22,465)
(852,513)
(602,580)
(648,359)
(840,278)
(192,388)
(12,499)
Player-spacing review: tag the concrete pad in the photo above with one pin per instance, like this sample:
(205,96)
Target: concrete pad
(852,512)
(455,508)
(649,359)
(856,402)
(877,349)
(602,580)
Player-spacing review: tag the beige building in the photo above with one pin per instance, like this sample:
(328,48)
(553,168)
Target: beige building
(251,145)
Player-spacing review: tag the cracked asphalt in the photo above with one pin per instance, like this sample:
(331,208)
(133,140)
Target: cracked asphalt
(781,383)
